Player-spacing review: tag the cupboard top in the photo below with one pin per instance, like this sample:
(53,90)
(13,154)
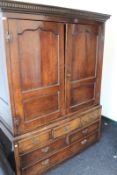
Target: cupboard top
(19,7)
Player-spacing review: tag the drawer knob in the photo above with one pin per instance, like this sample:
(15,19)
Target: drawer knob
(45,150)
(45,162)
(84,142)
(85,131)
(66,129)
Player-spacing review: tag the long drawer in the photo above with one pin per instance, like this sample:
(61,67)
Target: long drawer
(37,154)
(60,156)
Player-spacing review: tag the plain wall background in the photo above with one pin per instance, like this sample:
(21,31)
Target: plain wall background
(109,78)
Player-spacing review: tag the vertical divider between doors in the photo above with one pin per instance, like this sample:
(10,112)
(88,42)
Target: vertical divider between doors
(65,38)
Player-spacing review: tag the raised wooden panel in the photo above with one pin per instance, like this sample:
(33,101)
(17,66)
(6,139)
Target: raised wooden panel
(81,65)
(39,106)
(84,40)
(82,93)
(38,63)
(38,72)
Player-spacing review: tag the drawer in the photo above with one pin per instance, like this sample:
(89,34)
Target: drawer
(34,141)
(83,143)
(42,166)
(66,128)
(77,135)
(34,156)
(91,117)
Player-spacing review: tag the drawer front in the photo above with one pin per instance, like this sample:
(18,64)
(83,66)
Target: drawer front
(34,156)
(34,141)
(42,166)
(66,128)
(91,117)
(83,143)
(77,135)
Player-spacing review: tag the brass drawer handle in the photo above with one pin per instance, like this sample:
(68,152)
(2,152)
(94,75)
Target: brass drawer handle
(45,162)
(85,131)
(45,150)
(91,117)
(84,142)
(66,129)
(35,141)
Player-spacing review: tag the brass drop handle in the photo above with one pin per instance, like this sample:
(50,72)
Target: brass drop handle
(45,150)
(35,141)
(66,129)
(45,162)
(84,142)
(85,131)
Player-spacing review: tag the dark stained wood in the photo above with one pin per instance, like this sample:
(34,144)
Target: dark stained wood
(53,62)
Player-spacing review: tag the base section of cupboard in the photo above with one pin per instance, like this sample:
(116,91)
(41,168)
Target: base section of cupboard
(43,165)
(36,152)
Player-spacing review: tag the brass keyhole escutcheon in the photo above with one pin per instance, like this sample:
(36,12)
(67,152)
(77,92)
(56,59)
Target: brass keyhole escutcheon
(84,142)
(85,131)
(45,162)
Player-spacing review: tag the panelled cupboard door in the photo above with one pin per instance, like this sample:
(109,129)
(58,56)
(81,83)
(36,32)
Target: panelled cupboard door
(83,65)
(37,63)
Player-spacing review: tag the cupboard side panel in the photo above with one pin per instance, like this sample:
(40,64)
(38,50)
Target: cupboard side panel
(5,104)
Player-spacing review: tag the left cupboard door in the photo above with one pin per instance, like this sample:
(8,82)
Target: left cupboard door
(37,64)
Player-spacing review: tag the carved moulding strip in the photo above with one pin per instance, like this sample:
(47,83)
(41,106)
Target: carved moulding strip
(51,10)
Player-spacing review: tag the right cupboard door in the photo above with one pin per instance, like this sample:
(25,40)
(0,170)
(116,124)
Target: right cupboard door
(84,46)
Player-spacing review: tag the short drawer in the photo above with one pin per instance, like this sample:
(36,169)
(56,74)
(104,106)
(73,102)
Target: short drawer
(77,135)
(34,141)
(83,143)
(64,154)
(35,155)
(66,128)
(91,117)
